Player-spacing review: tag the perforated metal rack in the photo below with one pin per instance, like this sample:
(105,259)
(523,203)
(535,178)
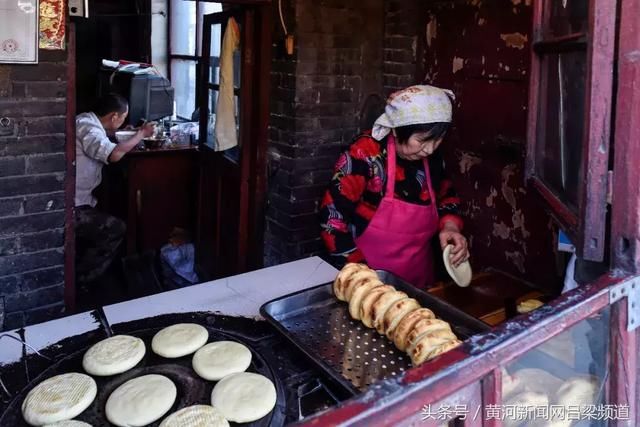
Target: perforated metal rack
(354,355)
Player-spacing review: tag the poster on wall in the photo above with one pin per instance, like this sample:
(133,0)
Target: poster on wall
(19,33)
(52,26)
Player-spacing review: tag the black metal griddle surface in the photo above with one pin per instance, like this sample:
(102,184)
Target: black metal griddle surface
(272,357)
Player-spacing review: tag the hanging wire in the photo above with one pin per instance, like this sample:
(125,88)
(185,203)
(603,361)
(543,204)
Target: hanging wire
(284,26)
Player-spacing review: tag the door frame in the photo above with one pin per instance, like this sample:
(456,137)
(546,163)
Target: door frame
(254,116)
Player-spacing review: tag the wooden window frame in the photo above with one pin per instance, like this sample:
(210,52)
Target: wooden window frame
(195,57)
(587,226)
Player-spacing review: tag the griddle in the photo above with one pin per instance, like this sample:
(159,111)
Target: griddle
(355,356)
(301,389)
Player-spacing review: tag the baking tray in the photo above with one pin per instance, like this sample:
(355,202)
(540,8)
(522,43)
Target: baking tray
(353,355)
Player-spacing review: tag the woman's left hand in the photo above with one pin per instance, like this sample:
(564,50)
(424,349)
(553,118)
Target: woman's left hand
(450,234)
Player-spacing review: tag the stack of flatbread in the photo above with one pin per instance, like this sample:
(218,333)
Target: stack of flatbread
(413,329)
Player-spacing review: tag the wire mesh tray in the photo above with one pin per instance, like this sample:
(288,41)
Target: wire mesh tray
(355,356)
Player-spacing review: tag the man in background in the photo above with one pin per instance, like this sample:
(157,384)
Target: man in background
(98,234)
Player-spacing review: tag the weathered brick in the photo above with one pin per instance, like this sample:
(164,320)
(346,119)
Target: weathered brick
(41,72)
(9,246)
(10,265)
(32,145)
(14,320)
(48,239)
(10,207)
(9,285)
(44,313)
(44,125)
(40,278)
(38,298)
(31,107)
(53,89)
(12,166)
(46,163)
(11,226)
(18,90)
(45,55)
(13,186)
(44,202)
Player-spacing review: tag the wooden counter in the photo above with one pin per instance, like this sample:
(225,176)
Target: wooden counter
(153,191)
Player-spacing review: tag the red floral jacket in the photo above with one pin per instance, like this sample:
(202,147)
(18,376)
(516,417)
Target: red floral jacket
(358,185)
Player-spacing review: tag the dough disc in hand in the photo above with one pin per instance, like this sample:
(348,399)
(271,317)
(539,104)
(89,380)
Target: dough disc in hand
(244,397)
(113,355)
(59,398)
(179,340)
(218,359)
(141,401)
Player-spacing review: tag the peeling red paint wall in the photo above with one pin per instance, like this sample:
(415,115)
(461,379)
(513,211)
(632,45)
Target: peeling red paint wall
(481,49)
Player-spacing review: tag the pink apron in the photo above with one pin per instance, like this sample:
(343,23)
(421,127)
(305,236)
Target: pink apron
(398,238)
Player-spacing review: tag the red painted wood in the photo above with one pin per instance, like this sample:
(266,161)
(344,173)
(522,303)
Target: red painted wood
(70,178)
(623,386)
(625,252)
(625,211)
(492,394)
(534,92)
(589,233)
(599,98)
(558,208)
(478,357)
(258,175)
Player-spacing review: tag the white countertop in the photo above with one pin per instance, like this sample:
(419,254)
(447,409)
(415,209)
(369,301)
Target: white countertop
(240,295)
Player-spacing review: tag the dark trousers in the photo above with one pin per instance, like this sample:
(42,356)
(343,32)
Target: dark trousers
(98,236)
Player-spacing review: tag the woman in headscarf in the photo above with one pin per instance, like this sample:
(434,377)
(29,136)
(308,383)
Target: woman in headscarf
(389,196)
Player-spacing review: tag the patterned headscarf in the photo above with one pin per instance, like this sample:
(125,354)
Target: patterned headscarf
(414,105)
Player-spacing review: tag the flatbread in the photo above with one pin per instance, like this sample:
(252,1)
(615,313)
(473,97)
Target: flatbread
(355,303)
(381,306)
(113,355)
(401,333)
(59,398)
(346,271)
(244,397)
(366,308)
(427,326)
(525,402)
(217,360)
(462,273)
(356,279)
(141,401)
(179,340)
(427,349)
(196,416)
(70,423)
(529,305)
(396,312)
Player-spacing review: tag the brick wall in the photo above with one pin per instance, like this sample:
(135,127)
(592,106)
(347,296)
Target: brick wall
(317,100)
(32,174)
(403,43)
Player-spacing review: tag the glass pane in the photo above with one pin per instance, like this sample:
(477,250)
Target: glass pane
(183,27)
(214,61)
(568,17)
(562,381)
(183,80)
(560,139)
(205,9)
(213,101)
